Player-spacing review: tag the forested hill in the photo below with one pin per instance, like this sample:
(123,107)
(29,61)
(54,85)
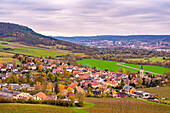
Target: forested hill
(18,33)
(143,38)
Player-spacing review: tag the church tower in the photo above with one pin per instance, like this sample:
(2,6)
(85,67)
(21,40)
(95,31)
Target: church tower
(141,72)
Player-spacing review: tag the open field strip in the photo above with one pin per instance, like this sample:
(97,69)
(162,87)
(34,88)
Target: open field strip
(114,66)
(138,69)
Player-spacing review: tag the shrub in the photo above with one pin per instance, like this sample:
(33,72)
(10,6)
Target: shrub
(80,104)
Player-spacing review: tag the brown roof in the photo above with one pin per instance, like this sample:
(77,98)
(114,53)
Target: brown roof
(41,95)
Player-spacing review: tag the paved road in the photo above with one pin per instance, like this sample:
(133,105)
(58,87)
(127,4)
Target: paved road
(138,69)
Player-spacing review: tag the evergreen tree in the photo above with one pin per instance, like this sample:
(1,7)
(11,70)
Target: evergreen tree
(56,88)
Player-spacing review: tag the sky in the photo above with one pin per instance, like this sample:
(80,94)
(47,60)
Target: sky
(89,17)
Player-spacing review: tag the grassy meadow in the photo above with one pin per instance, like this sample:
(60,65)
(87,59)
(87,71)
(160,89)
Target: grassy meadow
(33,108)
(155,69)
(113,105)
(33,51)
(153,59)
(3,54)
(102,64)
(112,66)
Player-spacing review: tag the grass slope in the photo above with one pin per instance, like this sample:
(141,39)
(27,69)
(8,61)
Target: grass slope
(101,64)
(156,69)
(162,91)
(112,105)
(153,59)
(32,108)
(30,51)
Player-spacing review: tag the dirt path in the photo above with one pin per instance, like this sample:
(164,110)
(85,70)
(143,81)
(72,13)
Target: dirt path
(137,69)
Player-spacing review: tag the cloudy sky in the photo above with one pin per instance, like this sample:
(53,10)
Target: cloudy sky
(89,17)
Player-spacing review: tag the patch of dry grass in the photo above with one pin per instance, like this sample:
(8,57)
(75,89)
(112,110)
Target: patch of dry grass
(111,105)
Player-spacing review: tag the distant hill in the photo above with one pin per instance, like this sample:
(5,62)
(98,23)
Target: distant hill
(18,33)
(143,38)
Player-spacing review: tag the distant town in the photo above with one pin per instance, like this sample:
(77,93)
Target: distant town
(159,46)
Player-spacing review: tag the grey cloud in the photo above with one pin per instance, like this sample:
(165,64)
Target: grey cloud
(88,17)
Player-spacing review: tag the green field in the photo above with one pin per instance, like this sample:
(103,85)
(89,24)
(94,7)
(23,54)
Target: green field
(162,91)
(155,69)
(3,54)
(30,51)
(153,59)
(8,38)
(113,105)
(112,66)
(32,108)
(101,64)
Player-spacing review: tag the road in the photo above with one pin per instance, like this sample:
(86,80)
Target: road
(138,69)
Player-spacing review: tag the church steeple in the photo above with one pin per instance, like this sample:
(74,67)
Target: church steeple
(141,67)
(141,72)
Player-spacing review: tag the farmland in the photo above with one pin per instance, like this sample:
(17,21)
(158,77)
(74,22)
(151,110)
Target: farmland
(111,105)
(101,64)
(156,69)
(112,66)
(33,51)
(162,91)
(153,59)
(3,54)
(30,108)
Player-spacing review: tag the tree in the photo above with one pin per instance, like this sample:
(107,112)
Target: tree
(50,76)
(129,77)
(80,96)
(50,86)
(49,93)
(56,88)
(122,84)
(41,68)
(69,89)
(46,71)
(12,78)
(143,81)
(75,90)
(139,83)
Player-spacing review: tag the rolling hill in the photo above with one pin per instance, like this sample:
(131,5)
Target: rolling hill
(17,33)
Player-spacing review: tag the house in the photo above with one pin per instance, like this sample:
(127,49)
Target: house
(44,68)
(14,86)
(97,92)
(5,94)
(24,86)
(21,95)
(33,67)
(55,70)
(9,64)
(14,69)
(52,97)
(14,94)
(79,89)
(30,88)
(3,68)
(1,64)
(129,89)
(40,96)
(3,84)
(142,94)
(8,73)
(2,76)
(95,84)
(25,69)
(122,95)
(69,69)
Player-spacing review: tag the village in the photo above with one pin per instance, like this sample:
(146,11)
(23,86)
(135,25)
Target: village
(48,79)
